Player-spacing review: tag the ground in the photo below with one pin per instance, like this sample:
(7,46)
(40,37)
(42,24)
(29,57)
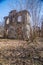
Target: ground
(19,52)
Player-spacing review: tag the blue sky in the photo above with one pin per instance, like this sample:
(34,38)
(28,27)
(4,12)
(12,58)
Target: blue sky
(7,5)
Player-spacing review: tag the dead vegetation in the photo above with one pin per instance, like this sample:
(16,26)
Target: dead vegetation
(17,52)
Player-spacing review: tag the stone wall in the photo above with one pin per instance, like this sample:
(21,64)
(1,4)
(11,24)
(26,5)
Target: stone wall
(22,27)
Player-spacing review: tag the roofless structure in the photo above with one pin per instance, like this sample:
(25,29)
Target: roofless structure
(17,25)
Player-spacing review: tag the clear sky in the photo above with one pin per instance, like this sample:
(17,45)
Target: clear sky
(7,5)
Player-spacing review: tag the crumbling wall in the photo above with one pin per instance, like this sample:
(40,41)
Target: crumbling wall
(22,27)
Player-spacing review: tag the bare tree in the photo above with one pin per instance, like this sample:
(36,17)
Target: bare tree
(34,6)
(35,9)
(15,4)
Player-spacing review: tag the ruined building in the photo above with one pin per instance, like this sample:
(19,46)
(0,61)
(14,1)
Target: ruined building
(17,25)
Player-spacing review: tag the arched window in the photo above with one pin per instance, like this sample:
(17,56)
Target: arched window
(19,18)
(7,22)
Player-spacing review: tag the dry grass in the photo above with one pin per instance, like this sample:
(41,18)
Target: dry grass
(19,52)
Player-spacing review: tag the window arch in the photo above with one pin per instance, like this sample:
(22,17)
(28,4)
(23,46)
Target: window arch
(19,18)
(7,21)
